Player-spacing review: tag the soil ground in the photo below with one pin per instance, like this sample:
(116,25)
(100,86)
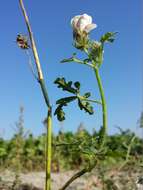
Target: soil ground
(35,181)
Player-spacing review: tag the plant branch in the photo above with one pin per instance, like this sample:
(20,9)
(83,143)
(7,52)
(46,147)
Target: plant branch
(74,177)
(82,62)
(80,173)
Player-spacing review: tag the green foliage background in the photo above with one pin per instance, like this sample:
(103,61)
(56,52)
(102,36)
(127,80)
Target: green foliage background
(24,152)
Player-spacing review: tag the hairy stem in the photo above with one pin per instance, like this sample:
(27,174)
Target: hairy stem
(46,98)
(104,106)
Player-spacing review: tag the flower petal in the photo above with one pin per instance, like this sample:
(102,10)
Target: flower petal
(74,21)
(82,22)
(87,18)
(90,27)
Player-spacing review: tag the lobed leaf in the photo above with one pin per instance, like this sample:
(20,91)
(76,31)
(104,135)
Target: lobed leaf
(66,100)
(83,105)
(67,86)
(63,102)
(60,113)
(108,37)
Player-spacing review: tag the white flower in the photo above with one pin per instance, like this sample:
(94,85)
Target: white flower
(82,23)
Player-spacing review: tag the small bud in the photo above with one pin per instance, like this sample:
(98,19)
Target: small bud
(96,52)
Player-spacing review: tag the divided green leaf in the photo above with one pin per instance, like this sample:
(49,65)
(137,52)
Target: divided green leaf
(67,86)
(67,60)
(63,102)
(83,105)
(66,100)
(108,37)
(74,89)
(60,113)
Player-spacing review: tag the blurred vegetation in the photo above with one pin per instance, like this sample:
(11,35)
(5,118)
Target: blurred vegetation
(24,152)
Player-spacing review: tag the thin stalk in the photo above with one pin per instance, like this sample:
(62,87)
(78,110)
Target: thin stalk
(46,98)
(104,106)
(48,152)
(88,100)
(82,62)
(94,101)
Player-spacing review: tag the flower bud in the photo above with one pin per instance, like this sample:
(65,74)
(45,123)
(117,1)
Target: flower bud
(96,52)
(82,25)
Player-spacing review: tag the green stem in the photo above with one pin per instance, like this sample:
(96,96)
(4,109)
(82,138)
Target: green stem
(104,106)
(48,136)
(48,151)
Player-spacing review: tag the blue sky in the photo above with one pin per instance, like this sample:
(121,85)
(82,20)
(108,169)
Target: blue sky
(121,71)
